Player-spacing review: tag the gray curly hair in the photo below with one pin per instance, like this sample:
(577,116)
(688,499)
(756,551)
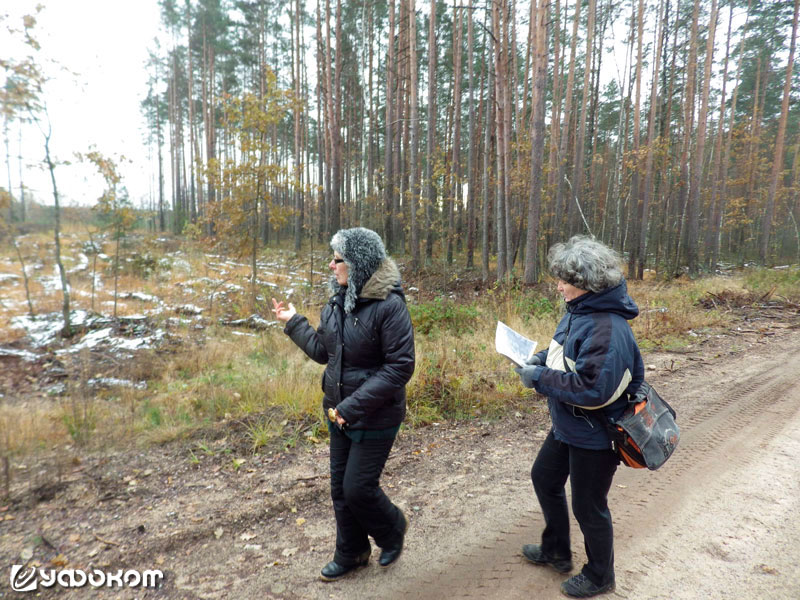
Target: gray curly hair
(585,263)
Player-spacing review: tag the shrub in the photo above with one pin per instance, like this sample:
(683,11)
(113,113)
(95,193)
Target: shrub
(443,315)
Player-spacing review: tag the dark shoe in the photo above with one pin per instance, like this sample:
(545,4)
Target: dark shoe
(333,570)
(580,586)
(392,553)
(533,553)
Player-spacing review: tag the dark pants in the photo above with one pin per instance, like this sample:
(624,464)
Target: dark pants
(590,474)
(361,507)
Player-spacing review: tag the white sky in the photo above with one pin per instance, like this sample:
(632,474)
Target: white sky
(103,44)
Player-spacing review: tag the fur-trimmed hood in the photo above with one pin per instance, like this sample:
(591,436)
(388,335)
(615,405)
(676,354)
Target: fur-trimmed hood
(370,273)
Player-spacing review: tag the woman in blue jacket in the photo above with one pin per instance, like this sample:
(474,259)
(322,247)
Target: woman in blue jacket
(592,364)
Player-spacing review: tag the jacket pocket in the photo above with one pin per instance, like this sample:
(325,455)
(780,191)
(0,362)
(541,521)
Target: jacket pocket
(368,331)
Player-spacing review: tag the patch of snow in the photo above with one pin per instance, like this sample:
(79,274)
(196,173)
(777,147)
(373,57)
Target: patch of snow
(108,382)
(82,265)
(8,277)
(57,389)
(189,309)
(105,338)
(253,322)
(179,264)
(110,303)
(23,354)
(244,333)
(140,296)
(44,329)
(52,283)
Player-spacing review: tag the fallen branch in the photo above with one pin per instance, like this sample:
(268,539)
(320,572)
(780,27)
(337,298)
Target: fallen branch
(105,541)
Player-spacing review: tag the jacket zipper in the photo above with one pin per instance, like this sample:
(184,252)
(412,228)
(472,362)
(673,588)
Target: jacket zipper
(364,327)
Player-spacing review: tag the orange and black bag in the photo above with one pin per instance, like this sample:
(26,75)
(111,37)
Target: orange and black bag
(646,434)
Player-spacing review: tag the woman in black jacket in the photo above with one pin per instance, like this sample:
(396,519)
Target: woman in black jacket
(366,339)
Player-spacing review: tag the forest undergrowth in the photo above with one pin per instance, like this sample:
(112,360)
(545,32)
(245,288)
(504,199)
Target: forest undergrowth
(222,372)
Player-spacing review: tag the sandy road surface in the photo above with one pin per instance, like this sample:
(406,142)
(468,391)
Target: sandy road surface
(721,520)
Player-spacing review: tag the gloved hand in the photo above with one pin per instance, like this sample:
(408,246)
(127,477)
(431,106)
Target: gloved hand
(535,360)
(526,374)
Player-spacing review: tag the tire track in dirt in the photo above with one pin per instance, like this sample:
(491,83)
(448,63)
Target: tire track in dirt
(720,421)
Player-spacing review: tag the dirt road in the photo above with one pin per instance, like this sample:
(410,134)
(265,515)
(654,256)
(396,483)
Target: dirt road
(719,520)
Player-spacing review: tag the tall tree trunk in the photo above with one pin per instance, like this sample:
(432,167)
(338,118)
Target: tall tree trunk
(413,180)
(455,176)
(298,157)
(22,215)
(697,162)
(430,148)
(388,186)
(561,205)
(711,229)
(539,89)
(637,117)
(471,145)
(162,224)
(334,137)
(555,116)
(210,119)
(508,202)
(688,121)
(190,82)
(719,206)
(8,169)
(372,121)
(577,179)
(777,164)
(398,122)
(498,7)
(66,331)
(652,141)
(488,124)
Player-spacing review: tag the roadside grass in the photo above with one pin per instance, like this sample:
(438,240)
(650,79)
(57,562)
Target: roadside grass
(785,281)
(262,389)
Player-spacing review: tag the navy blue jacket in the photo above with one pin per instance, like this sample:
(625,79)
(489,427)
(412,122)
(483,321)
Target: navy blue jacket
(604,366)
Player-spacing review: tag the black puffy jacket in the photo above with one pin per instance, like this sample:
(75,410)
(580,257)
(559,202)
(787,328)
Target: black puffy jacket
(369,352)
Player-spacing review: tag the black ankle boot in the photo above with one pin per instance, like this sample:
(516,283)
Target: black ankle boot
(333,570)
(392,552)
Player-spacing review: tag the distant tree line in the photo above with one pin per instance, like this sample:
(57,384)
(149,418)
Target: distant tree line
(481,131)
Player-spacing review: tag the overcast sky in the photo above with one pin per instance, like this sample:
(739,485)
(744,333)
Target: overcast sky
(93,101)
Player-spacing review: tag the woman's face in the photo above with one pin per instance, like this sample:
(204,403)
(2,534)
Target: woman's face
(569,291)
(339,268)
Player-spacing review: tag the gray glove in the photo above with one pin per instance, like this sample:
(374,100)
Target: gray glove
(535,360)
(526,374)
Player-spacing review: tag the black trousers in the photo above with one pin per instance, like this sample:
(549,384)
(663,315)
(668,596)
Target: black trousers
(360,506)
(590,474)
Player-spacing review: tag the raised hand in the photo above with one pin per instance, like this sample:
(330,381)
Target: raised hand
(283,313)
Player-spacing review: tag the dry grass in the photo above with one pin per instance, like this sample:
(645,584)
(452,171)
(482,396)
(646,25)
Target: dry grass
(262,384)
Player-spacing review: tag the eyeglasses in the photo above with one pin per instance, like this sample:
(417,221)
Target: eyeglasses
(338,260)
